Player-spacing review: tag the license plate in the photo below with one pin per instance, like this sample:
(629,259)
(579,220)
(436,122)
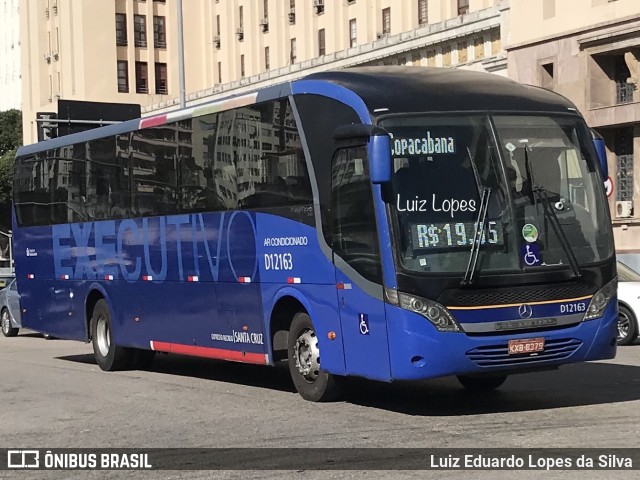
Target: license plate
(526,345)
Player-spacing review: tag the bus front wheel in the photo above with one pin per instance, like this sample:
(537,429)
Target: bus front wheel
(109,357)
(304,363)
(481,383)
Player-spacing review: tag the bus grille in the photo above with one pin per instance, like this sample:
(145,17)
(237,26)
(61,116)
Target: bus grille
(461,298)
(498,355)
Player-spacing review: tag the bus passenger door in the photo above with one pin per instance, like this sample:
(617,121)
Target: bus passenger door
(357,265)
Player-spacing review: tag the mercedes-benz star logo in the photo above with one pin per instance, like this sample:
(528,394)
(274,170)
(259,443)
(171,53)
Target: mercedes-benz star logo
(525,311)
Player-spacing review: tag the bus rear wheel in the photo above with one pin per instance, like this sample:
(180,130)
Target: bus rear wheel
(109,357)
(481,383)
(304,363)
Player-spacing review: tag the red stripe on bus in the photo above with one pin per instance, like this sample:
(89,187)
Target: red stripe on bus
(207,352)
(153,121)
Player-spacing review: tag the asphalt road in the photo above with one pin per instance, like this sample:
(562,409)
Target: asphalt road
(53,395)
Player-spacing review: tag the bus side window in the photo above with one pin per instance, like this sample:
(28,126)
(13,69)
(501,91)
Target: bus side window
(354,233)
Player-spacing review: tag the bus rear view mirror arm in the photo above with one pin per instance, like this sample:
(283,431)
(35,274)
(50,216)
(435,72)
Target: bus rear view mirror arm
(601,150)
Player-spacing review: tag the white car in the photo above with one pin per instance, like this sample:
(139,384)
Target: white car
(628,304)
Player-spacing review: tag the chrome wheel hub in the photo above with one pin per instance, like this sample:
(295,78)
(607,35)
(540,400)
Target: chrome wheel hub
(103,336)
(5,322)
(624,323)
(307,355)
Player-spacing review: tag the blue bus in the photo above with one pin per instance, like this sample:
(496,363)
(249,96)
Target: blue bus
(392,223)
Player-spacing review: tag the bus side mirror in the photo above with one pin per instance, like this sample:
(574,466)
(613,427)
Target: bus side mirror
(598,143)
(380,159)
(379,147)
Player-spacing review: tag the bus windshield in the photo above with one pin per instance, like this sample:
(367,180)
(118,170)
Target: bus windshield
(537,176)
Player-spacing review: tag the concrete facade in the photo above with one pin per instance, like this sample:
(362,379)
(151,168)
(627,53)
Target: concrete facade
(593,58)
(10,85)
(72,51)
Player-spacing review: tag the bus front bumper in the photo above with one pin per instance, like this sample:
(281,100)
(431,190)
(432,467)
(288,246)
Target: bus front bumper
(418,351)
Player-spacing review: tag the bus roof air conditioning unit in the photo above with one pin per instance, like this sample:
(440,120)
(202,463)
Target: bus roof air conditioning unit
(624,208)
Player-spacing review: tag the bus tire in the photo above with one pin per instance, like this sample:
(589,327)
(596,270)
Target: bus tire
(109,357)
(627,326)
(304,363)
(481,383)
(8,330)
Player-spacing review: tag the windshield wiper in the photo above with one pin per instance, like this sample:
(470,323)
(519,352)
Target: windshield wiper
(477,238)
(541,194)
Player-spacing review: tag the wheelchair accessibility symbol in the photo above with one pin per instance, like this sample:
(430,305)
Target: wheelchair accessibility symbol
(530,254)
(364,323)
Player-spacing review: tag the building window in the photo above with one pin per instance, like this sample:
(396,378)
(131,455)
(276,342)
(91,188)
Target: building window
(446,56)
(292,12)
(548,9)
(353,33)
(140,30)
(267,59)
(294,53)
(264,23)
(495,42)
(240,29)
(142,77)
(242,72)
(123,76)
(159,32)
(546,76)
(624,88)
(161,79)
(623,145)
(431,58)
(321,44)
(219,72)
(386,20)
(423,12)
(462,52)
(463,7)
(478,47)
(121,29)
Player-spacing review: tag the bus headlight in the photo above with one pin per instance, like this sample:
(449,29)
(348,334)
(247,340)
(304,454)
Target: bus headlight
(601,299)
(437,314)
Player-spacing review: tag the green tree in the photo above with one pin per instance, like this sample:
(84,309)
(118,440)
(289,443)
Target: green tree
(10,130)
(10,140)
(6,187)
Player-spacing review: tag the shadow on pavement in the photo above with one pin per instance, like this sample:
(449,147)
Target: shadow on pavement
(261,376)
(572,385)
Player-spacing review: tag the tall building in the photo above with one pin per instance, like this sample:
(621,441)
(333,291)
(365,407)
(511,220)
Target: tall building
(589,51)
(9,55)
(126,51)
